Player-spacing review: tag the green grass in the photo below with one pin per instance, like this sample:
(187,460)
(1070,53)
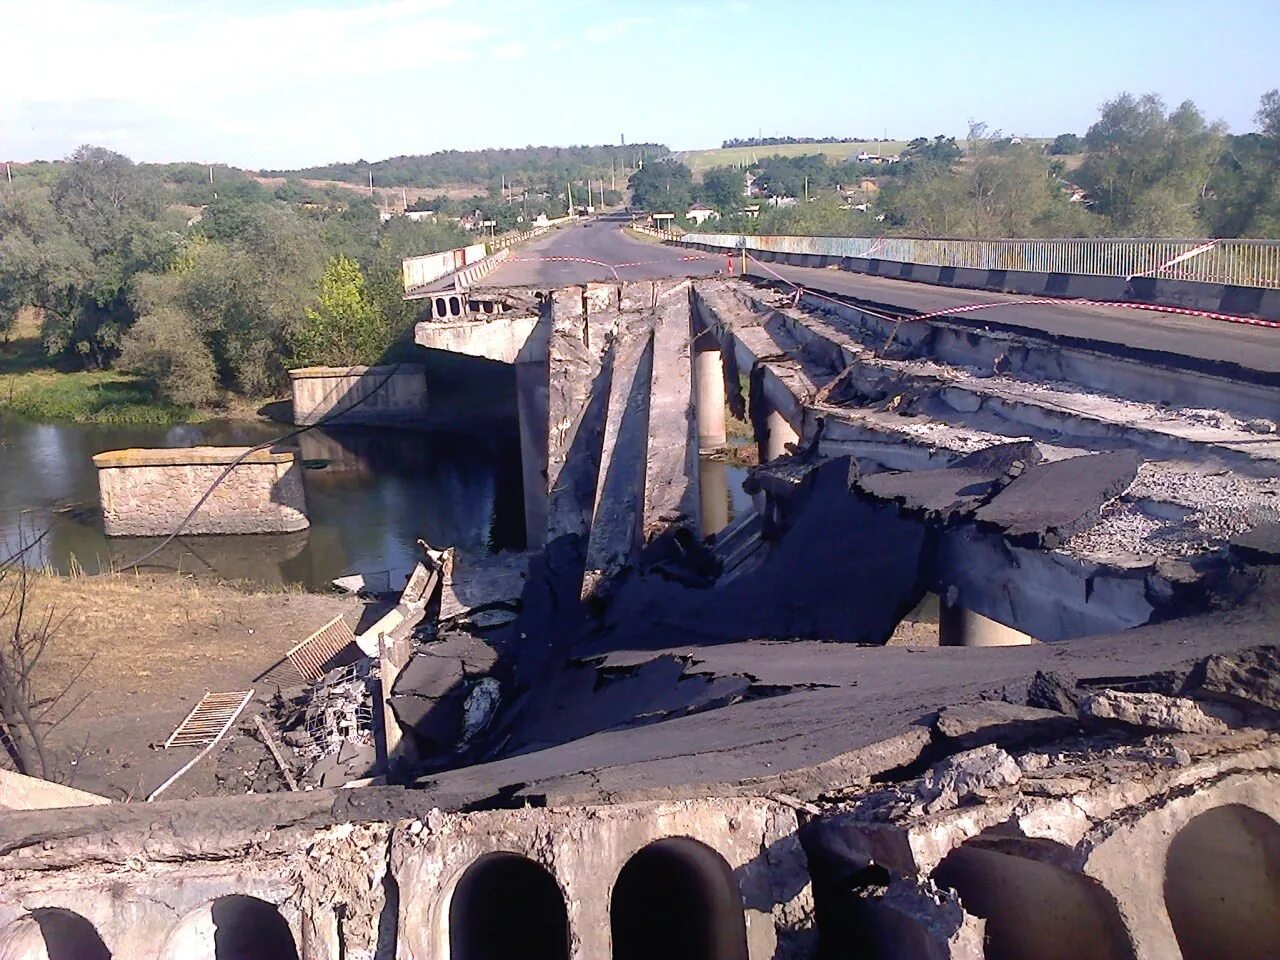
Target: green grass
(700,160)
(31,387)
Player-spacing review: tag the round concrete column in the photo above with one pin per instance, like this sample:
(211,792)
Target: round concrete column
(708,378)
(958,627)
(779,434)
(713,493)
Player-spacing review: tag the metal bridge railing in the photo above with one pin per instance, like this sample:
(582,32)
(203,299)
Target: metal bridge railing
(1246,263)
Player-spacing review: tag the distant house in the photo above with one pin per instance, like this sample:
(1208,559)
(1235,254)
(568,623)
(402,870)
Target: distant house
(782,201)
(700,214)
(750,210)
(749,188)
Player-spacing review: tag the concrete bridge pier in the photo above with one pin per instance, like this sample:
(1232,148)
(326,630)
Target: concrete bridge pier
(708,375)
(713,492)
(959,627)
(606,404)
(778,433)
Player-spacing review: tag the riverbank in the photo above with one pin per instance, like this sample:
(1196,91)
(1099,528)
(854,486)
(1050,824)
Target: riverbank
(150,646)
(31,386)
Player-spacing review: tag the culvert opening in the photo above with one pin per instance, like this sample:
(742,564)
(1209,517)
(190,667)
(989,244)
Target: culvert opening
(51,933)
(677,899)
(507,906)
(1222,885)
(234,927)
(1034,910)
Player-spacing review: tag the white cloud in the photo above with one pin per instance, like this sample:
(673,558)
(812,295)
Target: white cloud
(605,32)
(510,51)
(150,78)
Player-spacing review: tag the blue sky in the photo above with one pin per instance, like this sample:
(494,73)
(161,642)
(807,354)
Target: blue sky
(299,82)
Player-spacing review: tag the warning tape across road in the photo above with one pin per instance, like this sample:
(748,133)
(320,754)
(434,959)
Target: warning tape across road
(613,267)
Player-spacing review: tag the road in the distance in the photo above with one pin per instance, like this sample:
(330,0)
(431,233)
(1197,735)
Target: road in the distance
(617,255)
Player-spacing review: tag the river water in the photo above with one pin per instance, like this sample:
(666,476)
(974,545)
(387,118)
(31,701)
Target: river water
(372,493)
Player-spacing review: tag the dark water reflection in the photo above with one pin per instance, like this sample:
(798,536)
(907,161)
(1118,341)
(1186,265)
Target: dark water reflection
(381,490)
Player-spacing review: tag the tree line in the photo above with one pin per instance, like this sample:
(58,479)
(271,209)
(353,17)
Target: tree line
(783,141)
(226,294)
(1141,170)
(524,166)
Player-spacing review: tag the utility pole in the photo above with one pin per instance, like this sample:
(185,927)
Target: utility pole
(8,171)
(211,173)
(569,188)
(613,175)
(371,181)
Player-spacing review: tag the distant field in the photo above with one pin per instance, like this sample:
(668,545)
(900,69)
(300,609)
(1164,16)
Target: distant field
(699,160)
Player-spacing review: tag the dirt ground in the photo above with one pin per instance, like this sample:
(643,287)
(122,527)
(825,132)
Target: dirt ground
(155,644)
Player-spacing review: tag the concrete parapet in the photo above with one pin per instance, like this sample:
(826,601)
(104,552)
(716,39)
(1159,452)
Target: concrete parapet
(294,877)
(147,493)
(358,394)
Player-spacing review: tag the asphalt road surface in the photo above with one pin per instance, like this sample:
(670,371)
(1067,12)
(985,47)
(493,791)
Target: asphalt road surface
(1217,341)
(602,251)
(616,256)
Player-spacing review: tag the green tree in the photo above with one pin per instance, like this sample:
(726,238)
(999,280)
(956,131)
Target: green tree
(663,186)
(345,327)
(41,263)
(1065,144)
(162,348)
(243,285)
(722,188)
(1150,171)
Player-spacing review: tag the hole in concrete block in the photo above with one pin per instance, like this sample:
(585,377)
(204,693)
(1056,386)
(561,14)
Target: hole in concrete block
(51,933)
(1222,885)
(677,899)
(506,906)
(1034,910)
(235,927)
(440,308)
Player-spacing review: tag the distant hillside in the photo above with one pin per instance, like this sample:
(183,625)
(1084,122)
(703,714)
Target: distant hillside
(525,165)
(699,160)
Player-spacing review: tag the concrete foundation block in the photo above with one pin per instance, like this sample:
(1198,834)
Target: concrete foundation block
(148,493)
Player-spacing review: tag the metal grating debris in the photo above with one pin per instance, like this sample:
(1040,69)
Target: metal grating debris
(341,709)
(209,719)
(313,655)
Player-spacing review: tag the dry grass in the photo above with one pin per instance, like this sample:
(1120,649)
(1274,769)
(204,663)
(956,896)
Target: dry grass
(152,636)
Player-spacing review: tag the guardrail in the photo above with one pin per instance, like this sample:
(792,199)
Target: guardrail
(1245,263)
(660,233)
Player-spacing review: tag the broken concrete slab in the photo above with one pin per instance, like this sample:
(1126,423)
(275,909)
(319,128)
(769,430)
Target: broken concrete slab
(1153,711)
(1249,679)
(996,721)
(974,773)
(1261,544)
(1053,501)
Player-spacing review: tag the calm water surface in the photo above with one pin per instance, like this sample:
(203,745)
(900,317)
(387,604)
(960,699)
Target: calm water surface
(372,494)
(376,491)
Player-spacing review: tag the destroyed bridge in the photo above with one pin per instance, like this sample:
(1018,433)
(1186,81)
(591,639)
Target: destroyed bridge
(988,670)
